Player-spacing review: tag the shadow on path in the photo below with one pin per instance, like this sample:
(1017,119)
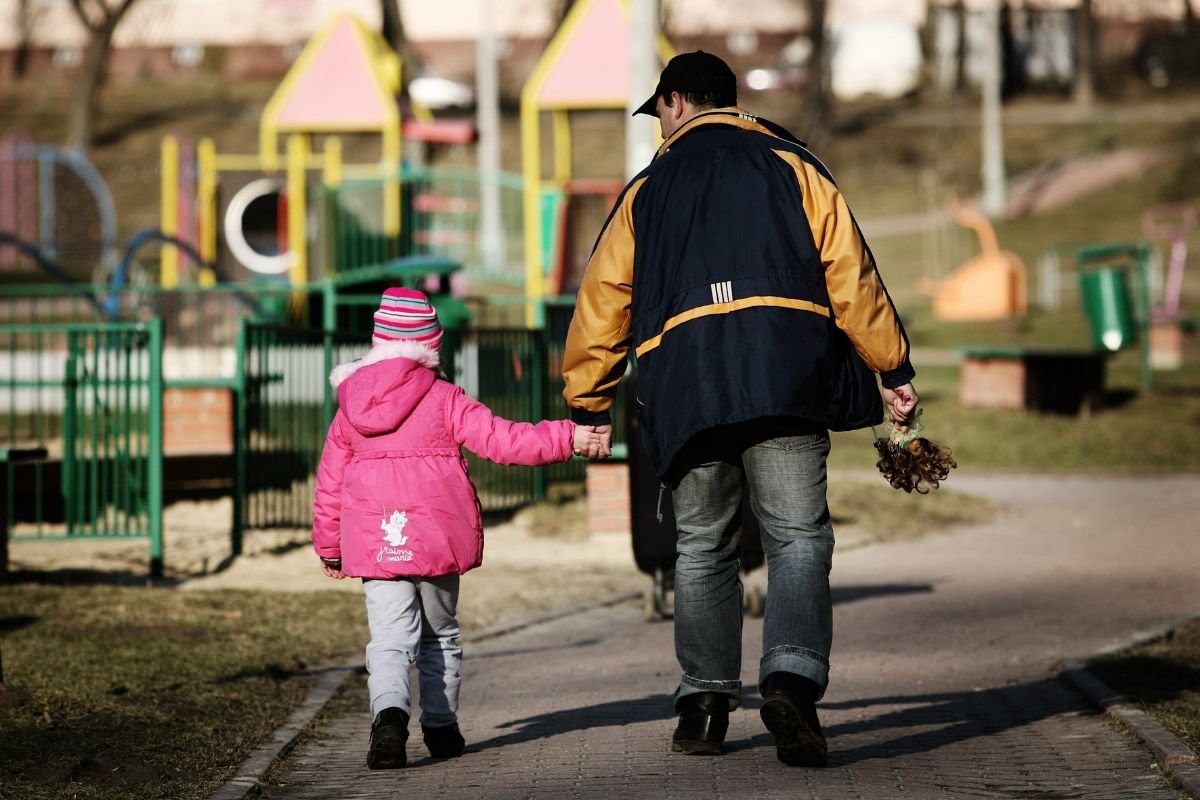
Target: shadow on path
(893,726)
(927,722)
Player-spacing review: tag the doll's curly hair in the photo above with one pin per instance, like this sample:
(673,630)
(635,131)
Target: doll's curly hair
(920,466)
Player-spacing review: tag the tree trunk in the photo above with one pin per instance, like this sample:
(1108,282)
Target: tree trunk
(817,105)
(562,8)
(85,98)
(25,33)
(396,36)
(1085,54)
(960,53)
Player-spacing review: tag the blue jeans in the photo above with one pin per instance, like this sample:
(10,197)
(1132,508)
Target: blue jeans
(786,477)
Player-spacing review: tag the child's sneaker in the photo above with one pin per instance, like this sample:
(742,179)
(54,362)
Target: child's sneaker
(389,734)
(445,741)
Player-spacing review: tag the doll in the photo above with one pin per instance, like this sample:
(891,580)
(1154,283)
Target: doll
(910,461)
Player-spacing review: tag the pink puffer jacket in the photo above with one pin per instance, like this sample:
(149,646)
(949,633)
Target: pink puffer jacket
(393,496)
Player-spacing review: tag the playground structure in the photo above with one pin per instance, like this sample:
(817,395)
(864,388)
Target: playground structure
(565,79)
(989,286)
(131,382)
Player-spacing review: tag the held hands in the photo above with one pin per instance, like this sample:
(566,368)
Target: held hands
(901,402)
(593,441)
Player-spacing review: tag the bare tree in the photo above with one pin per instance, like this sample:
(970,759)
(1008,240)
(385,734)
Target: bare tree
(561,9)
(1085,54)
(100,18)
(960,53)
(817,105)
(25,33)
(395,35)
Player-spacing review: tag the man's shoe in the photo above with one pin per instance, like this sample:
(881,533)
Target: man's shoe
(790,713)
(445,741)
(389,734)
(703,721)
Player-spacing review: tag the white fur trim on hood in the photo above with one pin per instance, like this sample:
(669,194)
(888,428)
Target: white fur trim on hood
(400,348)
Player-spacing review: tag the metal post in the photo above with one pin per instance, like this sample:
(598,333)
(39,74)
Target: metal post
(487,119)
(993,200)
(643,76)
(239,442)
(154,500)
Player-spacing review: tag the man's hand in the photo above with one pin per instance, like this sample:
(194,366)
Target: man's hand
(901,402)
(593,441)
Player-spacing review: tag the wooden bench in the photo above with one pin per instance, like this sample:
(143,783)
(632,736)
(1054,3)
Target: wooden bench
(1059,380)
(10,456)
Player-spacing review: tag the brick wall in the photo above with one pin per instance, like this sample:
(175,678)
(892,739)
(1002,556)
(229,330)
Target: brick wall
(608,498)
(992,383)
(197,421)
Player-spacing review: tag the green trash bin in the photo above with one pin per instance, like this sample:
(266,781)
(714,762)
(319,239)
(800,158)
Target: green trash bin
(1107,306)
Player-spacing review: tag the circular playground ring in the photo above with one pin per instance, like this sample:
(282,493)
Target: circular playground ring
(254,213)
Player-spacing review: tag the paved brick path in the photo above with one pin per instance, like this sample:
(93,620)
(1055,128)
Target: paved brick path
(943,682)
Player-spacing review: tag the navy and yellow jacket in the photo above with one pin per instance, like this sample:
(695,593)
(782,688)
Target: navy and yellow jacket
(732,267)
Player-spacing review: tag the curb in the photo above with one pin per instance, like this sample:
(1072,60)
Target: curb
(245,782)
(1178,762)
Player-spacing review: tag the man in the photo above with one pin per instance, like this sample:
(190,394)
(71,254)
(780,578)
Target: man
(732,268)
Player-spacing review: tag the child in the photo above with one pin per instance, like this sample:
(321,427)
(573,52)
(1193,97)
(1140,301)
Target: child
(395,507)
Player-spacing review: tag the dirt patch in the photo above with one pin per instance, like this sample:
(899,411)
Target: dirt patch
(540,560)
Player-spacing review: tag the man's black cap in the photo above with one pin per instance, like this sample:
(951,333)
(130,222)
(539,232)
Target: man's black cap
(697,74)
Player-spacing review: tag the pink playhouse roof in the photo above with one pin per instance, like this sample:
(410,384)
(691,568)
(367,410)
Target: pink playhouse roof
(592,68)
(336,85)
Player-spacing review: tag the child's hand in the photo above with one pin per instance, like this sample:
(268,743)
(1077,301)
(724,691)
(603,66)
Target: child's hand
(592,441)
(332,567)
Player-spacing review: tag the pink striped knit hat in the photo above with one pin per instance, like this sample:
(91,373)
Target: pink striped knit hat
(406,314)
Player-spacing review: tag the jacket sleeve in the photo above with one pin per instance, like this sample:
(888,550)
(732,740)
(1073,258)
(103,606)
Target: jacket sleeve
(473,425)
(860,302)
(599,337)
(327,499)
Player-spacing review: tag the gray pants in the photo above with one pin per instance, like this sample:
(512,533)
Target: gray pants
(412,620)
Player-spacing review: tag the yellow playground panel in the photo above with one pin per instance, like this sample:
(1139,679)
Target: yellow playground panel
(344,81)
(586,65)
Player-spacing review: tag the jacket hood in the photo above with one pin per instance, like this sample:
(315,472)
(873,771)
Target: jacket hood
(378,391)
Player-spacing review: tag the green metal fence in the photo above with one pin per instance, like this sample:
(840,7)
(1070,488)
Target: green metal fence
(285,405)
(83,402)
(442,215)
(283,408)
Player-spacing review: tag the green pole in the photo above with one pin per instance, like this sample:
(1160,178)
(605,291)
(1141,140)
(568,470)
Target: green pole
(70,431)
(1142,269)
(239,442)
(329,292)
(539,365)
(155,488)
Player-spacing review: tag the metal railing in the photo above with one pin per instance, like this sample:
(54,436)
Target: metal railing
(89,398)
(441,215)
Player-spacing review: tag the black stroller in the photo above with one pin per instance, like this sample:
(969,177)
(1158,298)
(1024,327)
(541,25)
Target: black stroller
(654,541)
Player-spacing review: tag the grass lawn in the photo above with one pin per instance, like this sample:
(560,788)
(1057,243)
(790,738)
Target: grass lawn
(1163,678)
(120,692)
(1139,430)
